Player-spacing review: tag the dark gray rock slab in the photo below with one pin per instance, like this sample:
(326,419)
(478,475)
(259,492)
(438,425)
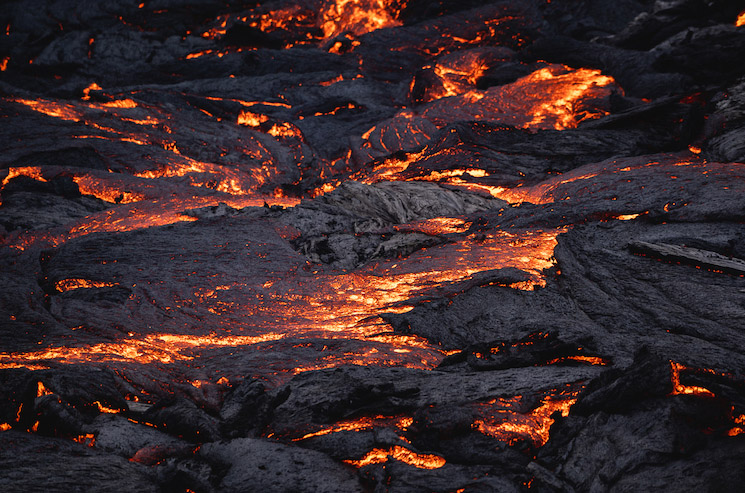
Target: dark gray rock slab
(261,465)
(34,462)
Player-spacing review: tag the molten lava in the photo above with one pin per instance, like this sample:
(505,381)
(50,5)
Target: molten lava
(511,427)
(401,454)
(359,424)
(42,390)
(69,284)
(358,16)
(679,388)
(553,97)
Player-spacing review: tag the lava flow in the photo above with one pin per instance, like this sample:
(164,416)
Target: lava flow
(372,245)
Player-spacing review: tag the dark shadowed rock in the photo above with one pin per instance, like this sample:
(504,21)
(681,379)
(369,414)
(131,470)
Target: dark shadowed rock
(260,465)
(33,462)
(183,419)
(617,436)
(432,246)
(118,435)
(247,408)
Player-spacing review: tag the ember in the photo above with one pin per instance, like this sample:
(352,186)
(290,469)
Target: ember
(454,245)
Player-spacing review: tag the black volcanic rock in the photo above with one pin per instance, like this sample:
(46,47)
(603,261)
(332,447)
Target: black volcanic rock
(32,461)
(183,419)
(348,246)
(271,466)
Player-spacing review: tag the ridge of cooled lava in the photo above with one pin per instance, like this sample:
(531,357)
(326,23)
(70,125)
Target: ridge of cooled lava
(372,245)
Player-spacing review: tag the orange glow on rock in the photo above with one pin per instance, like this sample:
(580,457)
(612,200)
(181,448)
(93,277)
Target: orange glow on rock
(740,20)
(70,284)
(437,226)
(593,360)
(534,426)
(88,439)
(132,350)
(4,64)
(360,424)
(554,97)
(91,185)
(457,74)
(217,53)
(120,103)
(87,91)
(549,98)
(401,454)
(358,16)
(627,217)
(740,426)
(5,426)
(251,119)
(154,348)
(42,390)
(104,409)
(30,171)
(63,111)
(332,306)
(144,214)
(680,389)
(566,90)
(231,181)
(329,82)
(284,130)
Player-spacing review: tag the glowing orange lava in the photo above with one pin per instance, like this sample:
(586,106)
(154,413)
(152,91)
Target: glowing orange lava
(566,90)
(143,214)
(30,171)
(251,119)
(551,97)
(437,226)
(105,190)
(678,388)
(457,73)
(63,111)
(401,454)
(88,439)
(627,217)
(104,409)
(358,16)
(740,20)
(359,424)
(42,390)
(739,429)
(593,360)
(330,305)
(87,91)
(513,427)
(70,284)
(554,97)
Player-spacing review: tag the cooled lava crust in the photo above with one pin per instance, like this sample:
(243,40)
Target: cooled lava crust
(372,245)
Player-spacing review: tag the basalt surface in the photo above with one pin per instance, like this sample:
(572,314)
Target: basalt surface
(370,245)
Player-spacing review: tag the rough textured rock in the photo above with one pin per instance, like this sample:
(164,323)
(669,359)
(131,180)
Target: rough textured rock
(31,461)
(372,246)
(259,465)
